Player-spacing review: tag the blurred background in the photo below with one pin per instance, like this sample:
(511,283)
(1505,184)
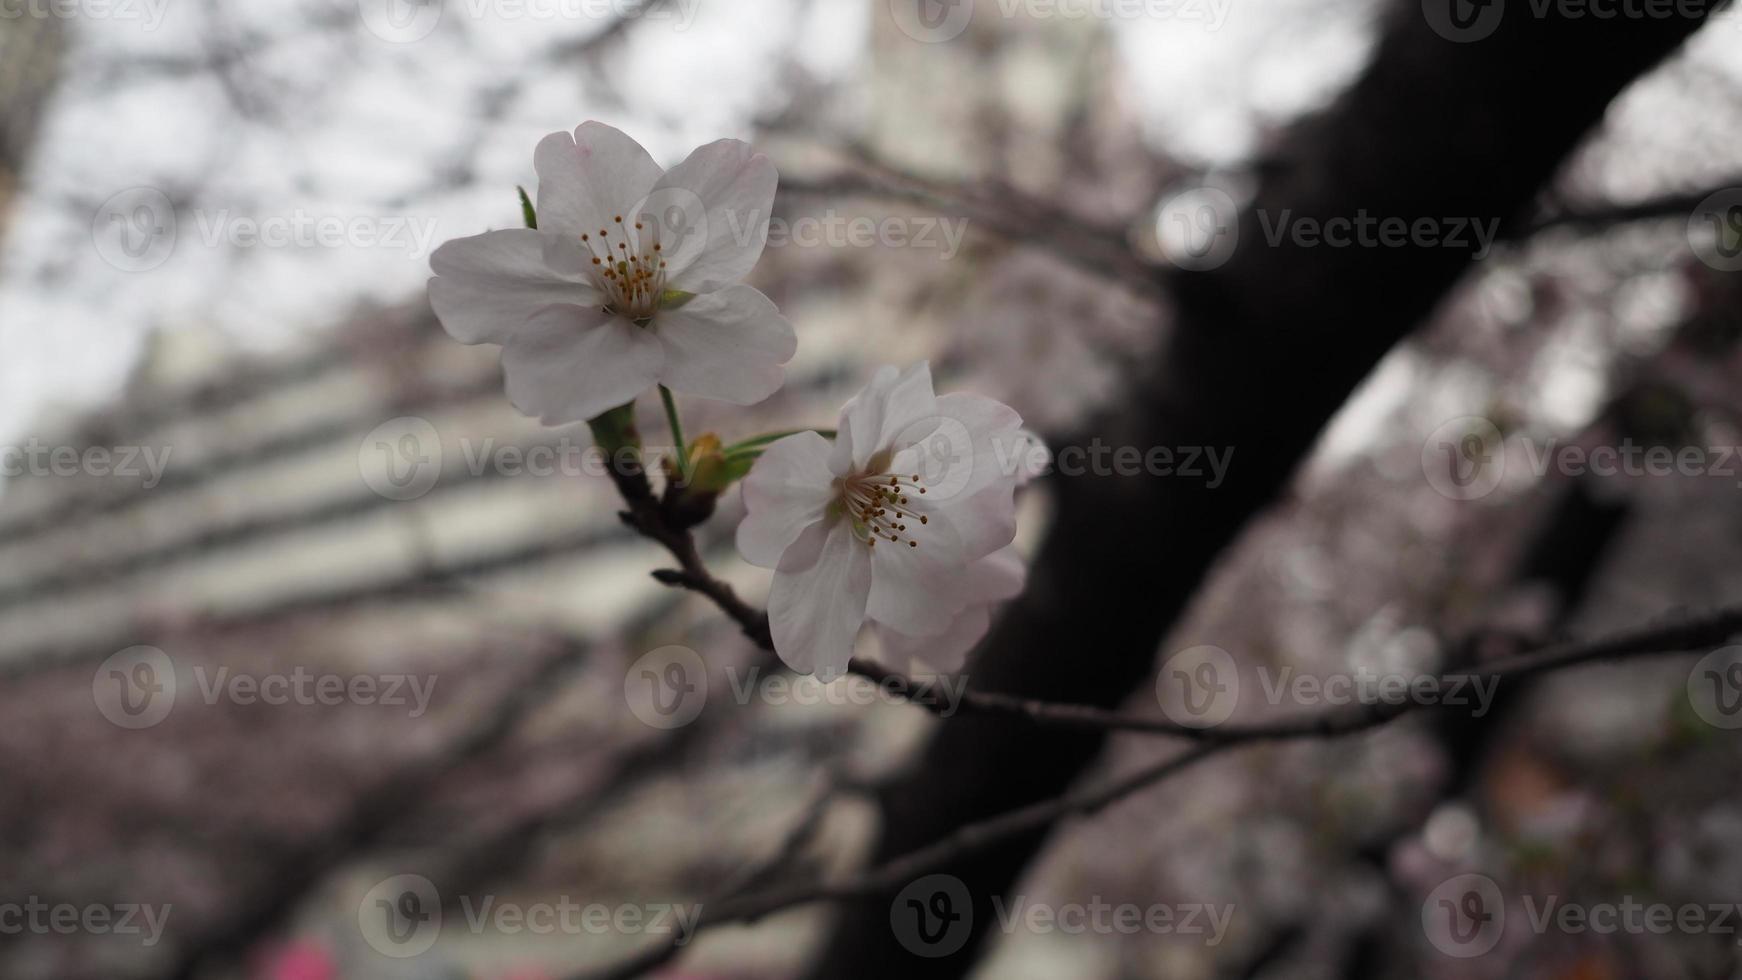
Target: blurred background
(215,225)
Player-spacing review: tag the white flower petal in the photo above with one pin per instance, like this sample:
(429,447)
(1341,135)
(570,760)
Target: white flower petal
(998,576)
(786,492)
(487,286)
(817,603)
(983,522)
(994,578)
(919,589)
(712,214)
(728,344)
(972,443)
(893,401)
(947,651)
(588,178)
(574,362)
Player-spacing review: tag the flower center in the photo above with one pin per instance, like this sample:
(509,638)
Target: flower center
(878,503)
(628,270)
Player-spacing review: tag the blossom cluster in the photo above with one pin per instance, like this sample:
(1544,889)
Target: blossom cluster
(628,278)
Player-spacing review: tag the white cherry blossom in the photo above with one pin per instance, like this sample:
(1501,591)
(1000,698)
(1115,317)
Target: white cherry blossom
(903,522)
(630,280)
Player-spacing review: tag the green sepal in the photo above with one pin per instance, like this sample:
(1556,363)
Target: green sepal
(614,430)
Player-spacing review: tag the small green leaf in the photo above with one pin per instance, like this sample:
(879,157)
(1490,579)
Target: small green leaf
(758,442)
(526,209)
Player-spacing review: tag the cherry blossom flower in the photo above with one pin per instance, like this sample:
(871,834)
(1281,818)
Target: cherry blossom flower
(630,279)
(903,522)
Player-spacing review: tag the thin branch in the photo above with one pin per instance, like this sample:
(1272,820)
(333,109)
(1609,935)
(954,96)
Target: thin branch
(1602,216)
